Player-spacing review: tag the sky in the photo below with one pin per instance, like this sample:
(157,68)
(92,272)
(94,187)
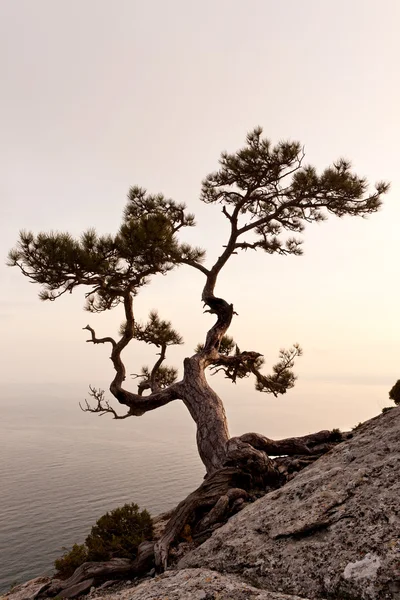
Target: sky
(98,96)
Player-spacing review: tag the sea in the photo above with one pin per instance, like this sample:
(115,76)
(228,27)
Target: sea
(62,469)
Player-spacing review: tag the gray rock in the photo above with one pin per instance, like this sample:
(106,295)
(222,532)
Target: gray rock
(107,584)
(196,584)
(55,586)
(332,531)
(29,590)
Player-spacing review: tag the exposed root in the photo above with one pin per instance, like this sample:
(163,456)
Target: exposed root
(199,505)
(247,474)
(101,571)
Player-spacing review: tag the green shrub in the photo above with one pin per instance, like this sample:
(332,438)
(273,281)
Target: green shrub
(394,393)
(116,534)
(119,533)
(71,560)
(336,435)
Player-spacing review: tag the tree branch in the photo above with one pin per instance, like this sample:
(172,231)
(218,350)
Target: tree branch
(283,377)
(290,446)
(243,364)
(225,212)
(224,312)
(196,265)
(236,366)
(137,403)
(96,340)
(103,406)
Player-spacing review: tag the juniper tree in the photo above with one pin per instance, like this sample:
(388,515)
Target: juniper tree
(268,195)
(394,393)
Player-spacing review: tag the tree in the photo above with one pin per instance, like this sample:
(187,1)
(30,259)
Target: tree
(394,393)
(268,195)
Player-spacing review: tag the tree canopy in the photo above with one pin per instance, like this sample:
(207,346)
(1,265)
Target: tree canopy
(267,193)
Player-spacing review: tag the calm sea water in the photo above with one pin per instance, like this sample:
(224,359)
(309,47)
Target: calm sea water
(61,469)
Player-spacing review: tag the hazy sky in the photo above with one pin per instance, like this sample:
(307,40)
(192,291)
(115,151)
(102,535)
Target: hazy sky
(97,96)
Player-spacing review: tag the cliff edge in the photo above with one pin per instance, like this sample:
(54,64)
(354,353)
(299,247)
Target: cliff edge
(332,532)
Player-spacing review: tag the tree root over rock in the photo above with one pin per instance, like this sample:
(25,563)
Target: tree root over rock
(247,474)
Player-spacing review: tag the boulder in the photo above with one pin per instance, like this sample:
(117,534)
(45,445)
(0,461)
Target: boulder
(55,586)
(196,584)
(331,532)
(29,590)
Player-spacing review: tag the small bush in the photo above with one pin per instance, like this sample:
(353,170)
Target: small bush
(394,393)
(71,560)
(336,435)
(119,533)
(116,534)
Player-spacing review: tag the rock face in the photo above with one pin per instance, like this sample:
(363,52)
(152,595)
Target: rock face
(196,584)
(29,590)
(331,532)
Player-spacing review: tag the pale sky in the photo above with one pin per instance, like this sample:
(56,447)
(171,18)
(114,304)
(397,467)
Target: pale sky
(99,95)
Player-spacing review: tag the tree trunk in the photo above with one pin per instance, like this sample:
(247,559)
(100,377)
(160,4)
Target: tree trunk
(207,411)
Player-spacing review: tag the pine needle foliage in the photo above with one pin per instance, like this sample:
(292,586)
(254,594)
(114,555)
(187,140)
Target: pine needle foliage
(111,265)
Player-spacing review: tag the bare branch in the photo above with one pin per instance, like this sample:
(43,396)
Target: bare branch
(225,212)
(103,406)
(96,340)
(144,384)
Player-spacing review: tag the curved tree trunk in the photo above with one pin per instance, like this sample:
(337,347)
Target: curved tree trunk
(207,411)
(204,405)
(235,467)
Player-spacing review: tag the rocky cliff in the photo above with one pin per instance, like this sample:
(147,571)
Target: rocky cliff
(332,532)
